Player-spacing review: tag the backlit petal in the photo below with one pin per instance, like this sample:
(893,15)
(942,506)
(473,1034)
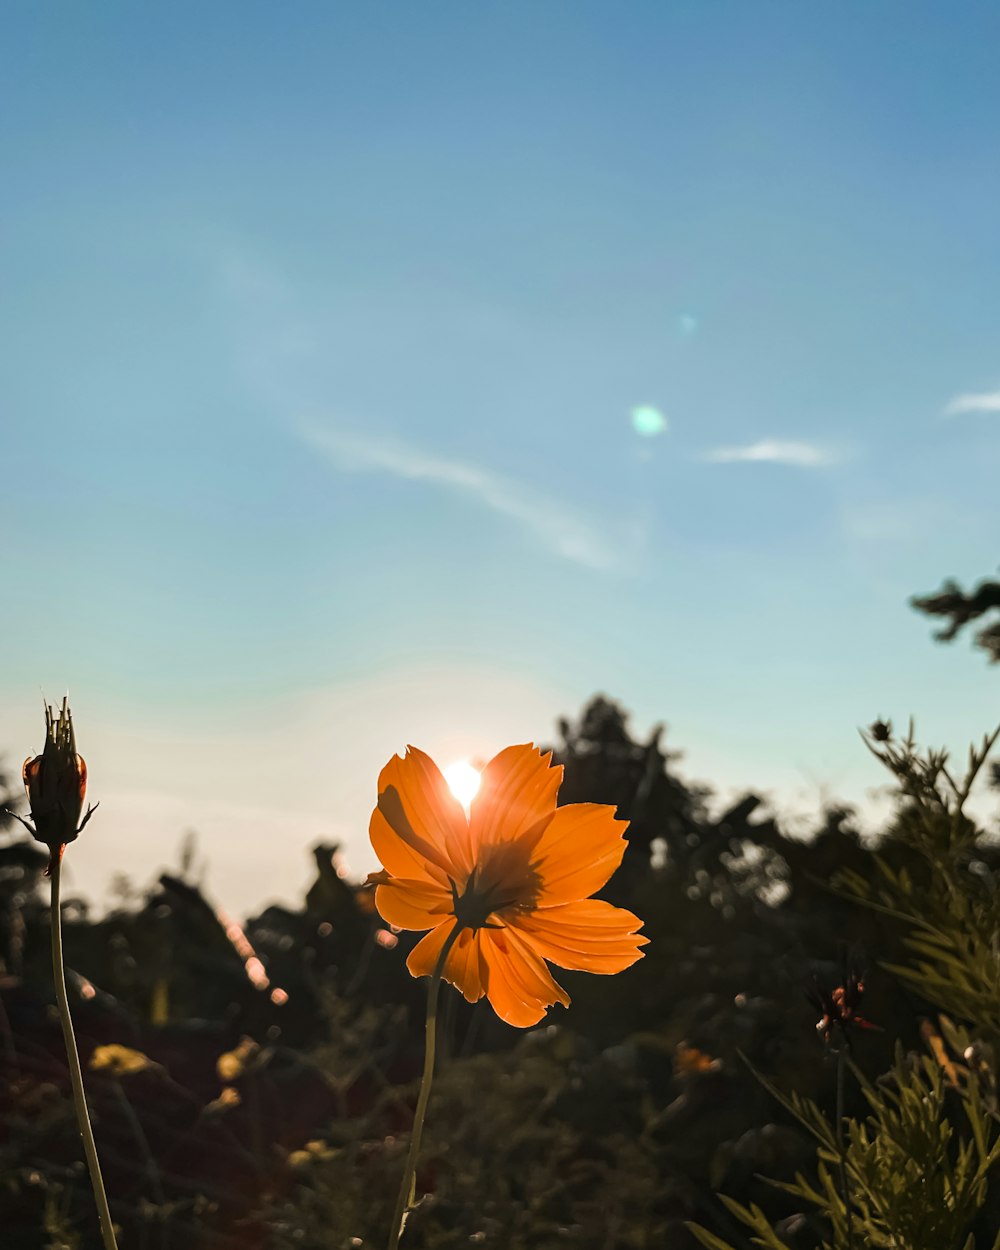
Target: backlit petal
(465,967)
(578,850)
(518,984)
(424,957)
(418,810)
(518,790)
(398,856)
(589,935)
(412,904)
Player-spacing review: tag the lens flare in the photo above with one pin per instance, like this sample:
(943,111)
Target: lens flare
(648,421)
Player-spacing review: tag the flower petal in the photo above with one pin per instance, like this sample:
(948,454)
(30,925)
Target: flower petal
(424,957)
(578,850)
(412,904)
(589,935)
(518,984)
(464,966)
(398,856)
(419,825)
(517,790)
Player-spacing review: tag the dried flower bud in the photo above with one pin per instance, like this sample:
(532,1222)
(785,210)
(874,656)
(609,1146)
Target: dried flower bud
(840,1007)
(56,782)
(881,730)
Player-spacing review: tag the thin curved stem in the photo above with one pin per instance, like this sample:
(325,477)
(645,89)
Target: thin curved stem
(845,1192)
(73,1058)
(408,1187)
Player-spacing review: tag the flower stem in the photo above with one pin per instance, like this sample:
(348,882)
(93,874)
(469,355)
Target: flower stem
(845,1192)
(73,1058)
(408,1188)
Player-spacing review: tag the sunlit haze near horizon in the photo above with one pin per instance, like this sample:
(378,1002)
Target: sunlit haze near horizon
(410,374)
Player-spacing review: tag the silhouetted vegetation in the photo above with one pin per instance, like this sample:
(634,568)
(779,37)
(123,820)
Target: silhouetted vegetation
(252,1084)
(959,608)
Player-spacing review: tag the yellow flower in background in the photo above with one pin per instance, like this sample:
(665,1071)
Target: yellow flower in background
(118,1060)
(505,888)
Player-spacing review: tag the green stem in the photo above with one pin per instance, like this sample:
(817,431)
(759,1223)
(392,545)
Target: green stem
(845,1192)
(408,1188)
(73,1057)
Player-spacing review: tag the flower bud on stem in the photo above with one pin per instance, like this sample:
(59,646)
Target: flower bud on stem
(56,784)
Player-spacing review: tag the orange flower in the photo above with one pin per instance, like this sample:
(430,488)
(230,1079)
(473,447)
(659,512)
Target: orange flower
(513,878)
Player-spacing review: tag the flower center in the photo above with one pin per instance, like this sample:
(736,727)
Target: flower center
(503,879)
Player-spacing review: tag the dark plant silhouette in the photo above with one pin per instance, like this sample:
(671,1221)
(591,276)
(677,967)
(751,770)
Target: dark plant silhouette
(959,608)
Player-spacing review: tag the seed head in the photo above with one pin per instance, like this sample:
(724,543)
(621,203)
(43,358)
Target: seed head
(881,730)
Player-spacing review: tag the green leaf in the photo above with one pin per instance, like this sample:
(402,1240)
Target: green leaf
(707,1239)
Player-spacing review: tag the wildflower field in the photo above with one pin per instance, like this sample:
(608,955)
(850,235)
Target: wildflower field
(802,1056)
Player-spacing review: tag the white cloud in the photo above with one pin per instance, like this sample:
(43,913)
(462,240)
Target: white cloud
(559,526)
(774,451)
(987,401)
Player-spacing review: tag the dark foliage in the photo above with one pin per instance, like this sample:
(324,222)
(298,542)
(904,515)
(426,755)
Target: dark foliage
(959,608)
(253,1086)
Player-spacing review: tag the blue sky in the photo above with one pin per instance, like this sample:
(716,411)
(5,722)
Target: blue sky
(324,327)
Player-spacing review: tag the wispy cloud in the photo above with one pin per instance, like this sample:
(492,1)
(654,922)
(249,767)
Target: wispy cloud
(775,451)
(986,401)
(559,526)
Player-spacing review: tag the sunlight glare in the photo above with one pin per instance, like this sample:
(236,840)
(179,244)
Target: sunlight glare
(463,781)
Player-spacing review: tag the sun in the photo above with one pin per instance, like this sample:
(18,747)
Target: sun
(463,781)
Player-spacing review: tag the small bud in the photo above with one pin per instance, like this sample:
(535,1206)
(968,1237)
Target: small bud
(881,730)
(56,782)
